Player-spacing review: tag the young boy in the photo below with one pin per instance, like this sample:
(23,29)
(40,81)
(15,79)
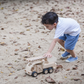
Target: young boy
(66,33)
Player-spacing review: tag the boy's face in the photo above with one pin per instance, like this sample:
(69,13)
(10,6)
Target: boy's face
(49,26)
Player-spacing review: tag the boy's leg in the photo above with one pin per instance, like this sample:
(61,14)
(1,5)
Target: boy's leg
(73,56)
(61,42)
(69,46)
(66,53)
(72,53)
(71,59)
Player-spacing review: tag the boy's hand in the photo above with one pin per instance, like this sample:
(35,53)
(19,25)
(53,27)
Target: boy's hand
(48,54)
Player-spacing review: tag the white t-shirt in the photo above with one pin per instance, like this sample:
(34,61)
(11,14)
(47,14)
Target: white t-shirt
(67,26)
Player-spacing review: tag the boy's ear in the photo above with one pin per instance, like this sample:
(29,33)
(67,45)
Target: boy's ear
(55,24)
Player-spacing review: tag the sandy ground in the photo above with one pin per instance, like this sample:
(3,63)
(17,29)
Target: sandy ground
(23,36)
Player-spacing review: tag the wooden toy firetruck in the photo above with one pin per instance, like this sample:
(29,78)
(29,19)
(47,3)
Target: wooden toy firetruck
(40,64)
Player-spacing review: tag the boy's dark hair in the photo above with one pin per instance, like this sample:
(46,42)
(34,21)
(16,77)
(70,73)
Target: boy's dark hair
(49,18)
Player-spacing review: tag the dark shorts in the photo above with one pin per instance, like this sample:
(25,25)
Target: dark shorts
(70,41)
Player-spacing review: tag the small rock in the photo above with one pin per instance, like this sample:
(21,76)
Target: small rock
(36,77)
(60,82)
(2,43)
(25,49)
(49,80)
(31,7)
(28,30)
(56,70)
(3,38)
(24,76)
(25,56)
(82,74)
(74,68)
(10,74)
(76,65)
(22,33)
(39,46)
(9,63)
(15,53)
(36,31)
(67,7)
(63,58)
(24,59)
(6,79)
(61,49)
(19,58)
(14,41)
(23,68)
(41,80)
(59,66)
(2,28)
(31,53)
(68,70)
(42,32)
(28,44)
(16,49)
(16,77)
(52,10)
(18,69)
(81,51)
(76,79)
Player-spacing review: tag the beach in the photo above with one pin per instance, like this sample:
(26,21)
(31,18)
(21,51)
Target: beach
(23,36)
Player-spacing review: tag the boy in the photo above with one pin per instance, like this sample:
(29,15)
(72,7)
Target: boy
(66,33)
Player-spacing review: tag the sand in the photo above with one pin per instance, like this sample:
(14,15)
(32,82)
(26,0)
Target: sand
(23,36)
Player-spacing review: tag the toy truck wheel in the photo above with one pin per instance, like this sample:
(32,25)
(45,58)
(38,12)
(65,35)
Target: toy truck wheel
(45,71)
(50,70)
(34,74)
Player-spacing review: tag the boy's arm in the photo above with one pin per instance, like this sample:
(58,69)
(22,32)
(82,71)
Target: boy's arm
(48,54)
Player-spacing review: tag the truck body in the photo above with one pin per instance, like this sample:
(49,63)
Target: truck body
(37,65)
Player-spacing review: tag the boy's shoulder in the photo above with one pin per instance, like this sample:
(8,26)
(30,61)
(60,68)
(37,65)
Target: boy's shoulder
(66,20)
(62,18)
